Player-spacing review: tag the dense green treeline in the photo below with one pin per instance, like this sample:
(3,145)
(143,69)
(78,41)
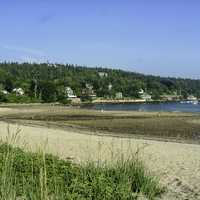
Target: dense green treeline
(46,82)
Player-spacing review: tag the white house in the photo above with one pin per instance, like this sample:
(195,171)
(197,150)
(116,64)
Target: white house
(89,86)
(110,87)
(118,95)
(18,91)
(141,92)
(103,74)
(4,92)
(146,96)
(89,90)
(70,93)
(191,98)
(170,97)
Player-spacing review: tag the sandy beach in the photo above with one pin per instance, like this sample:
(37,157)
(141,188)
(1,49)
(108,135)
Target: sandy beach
(176,164)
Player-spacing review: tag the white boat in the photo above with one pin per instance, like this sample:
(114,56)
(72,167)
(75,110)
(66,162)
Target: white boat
(195,102)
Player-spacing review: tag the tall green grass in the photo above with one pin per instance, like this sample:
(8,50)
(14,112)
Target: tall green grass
(39,176)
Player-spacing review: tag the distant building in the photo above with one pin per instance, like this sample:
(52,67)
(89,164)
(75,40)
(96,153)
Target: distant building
(191,98)
(118,95)
(88,91)
(146,96)
(103,74)
(141,92)
(70,93)
(93,96)
(4,92)
(89,86)
(170,97)
(18,91)
(52,65)
(110,87)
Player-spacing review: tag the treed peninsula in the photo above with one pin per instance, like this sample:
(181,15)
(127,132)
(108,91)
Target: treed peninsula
(65,83)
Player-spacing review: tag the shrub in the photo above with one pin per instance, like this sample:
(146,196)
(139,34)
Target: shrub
(65,101)
(13,98)
(3,97)
(25,175)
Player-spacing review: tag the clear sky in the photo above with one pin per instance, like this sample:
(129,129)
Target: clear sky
(149,36)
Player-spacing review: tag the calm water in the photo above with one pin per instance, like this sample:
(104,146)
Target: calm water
(171,107)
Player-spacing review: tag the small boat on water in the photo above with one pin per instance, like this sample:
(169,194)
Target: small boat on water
(191,100)
(195,102)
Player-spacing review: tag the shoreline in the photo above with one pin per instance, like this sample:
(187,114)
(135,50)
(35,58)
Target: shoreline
(94,102)
(130,101)
(176,164)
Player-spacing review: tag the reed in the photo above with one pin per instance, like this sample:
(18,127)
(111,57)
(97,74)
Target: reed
(40,176)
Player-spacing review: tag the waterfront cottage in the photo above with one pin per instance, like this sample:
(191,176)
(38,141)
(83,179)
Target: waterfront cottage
(146,96)
(118,95)
(18,91)
(88,91)
(170,97)
(4,92)
(70,93)
(191,98)
(141,92)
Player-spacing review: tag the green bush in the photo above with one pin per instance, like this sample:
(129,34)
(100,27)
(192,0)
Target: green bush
(25,175)
(65,101)
(3,97)
(13,98)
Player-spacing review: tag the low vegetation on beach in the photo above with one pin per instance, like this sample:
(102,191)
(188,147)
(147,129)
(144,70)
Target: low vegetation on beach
(162,126)
(39,176)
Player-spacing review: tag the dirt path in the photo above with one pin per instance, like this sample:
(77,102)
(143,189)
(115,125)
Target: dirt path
(177,164)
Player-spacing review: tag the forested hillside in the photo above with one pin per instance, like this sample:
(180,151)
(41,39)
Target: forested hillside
(46,82)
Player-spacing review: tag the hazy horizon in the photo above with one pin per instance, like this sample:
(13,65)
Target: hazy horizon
(150,37)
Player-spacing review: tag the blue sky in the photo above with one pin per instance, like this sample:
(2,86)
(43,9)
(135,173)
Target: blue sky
(149,36)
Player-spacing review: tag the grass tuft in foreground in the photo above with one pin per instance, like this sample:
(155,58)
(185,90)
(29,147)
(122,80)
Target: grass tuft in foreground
(38,176)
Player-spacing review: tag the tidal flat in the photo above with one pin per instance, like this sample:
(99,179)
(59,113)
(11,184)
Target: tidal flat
(166,126)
